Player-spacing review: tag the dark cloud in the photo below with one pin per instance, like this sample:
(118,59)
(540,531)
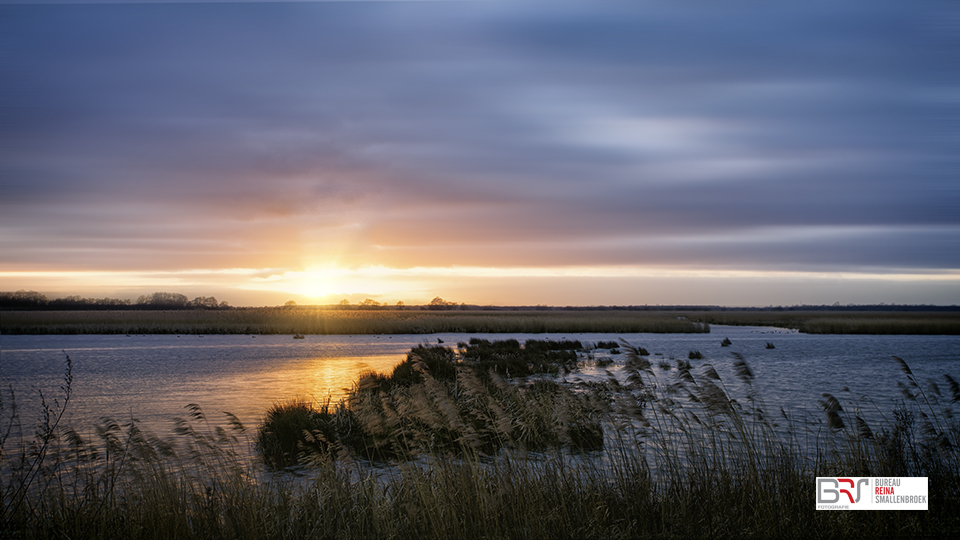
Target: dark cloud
(638,133)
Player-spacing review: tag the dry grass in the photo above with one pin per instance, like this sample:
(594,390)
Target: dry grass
(825,322)
(308,320)
(327,321)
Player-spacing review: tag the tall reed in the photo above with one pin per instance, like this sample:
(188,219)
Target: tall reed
(683,457)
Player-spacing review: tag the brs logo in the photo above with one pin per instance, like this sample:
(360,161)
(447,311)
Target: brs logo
(829,490)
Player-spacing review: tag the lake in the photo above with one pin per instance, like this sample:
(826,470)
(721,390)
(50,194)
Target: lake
(153,377)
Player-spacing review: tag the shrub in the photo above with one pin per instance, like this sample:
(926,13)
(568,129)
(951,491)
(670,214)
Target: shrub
(291,428)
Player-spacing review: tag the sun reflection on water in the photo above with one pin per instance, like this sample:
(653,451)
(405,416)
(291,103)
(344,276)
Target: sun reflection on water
(333,378)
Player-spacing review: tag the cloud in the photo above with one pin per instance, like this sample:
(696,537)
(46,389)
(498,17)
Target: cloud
(221,135)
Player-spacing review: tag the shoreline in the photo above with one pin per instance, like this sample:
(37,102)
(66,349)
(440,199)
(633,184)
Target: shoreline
(317,321)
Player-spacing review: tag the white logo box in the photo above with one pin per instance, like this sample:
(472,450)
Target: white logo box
(871,493)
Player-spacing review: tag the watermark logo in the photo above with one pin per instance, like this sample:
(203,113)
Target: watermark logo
(830,492)
(871,493)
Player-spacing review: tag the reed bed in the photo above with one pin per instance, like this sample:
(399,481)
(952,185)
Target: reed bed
(312,320)
(328,321)
(682,458)
(822,322)
(442,401)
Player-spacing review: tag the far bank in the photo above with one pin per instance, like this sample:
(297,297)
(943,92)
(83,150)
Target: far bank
(320,320)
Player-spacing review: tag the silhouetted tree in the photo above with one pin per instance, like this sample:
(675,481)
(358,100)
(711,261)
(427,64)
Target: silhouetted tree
(113,302)
(369,303)
(22,299)
(163,300)
(204,302)
(77,302)
(440,303)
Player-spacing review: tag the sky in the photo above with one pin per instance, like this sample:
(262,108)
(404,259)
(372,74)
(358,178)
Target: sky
(746,153)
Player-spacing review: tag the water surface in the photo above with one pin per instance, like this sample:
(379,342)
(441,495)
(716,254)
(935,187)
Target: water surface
(153,377)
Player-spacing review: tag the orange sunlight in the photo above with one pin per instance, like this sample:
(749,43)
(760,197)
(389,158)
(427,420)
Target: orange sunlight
(562,285)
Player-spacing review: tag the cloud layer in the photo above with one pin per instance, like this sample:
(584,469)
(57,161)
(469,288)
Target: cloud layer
(748,136)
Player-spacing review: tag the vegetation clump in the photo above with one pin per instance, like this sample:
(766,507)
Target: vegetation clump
(443,401)
(291,427)
(437,362)
(509,359)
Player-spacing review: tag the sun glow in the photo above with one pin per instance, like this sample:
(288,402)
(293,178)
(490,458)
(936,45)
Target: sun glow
(571,285)
(317,283)
(309,284)
(315,289)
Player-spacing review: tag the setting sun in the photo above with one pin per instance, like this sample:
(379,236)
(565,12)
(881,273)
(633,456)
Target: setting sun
(325,285)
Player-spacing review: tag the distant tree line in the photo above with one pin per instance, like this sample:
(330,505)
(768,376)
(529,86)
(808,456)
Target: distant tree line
(157,300)
(32,300)
(369,303)
(440,304)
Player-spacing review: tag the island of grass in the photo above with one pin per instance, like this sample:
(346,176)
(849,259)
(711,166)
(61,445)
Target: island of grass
(441,400)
